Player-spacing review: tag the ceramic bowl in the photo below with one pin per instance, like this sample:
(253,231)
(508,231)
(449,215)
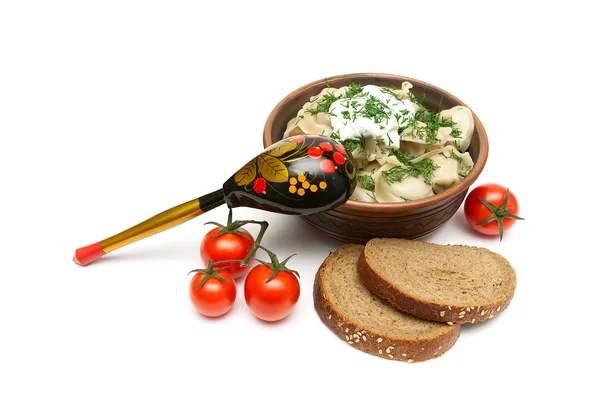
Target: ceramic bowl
(356,221)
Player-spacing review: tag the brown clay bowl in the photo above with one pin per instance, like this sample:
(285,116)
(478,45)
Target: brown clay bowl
(357,221)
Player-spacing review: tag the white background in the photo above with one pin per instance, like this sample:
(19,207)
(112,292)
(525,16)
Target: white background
(112,111)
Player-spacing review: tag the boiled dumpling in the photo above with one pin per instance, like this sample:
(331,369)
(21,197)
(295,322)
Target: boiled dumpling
(363,191)
(292,128)
(409,188)
(463,119)
(452,167)
(414,140)
(404,92)
(319,123)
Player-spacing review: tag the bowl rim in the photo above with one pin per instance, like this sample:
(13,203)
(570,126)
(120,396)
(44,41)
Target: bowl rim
(354,206)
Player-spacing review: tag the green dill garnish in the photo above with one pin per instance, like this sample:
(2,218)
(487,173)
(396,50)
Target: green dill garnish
(456,145)
(353,144)
(390,141)
(465,172)
(367,182)
(424,168)
(389,91)
(443,155)
(323,104)
(353,90)
(376,110)
(335,135)
(431,123)
(456,133)
(456,157)
(346,115)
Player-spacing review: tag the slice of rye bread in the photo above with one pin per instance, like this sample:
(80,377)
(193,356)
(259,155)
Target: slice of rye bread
(448,283)
(368,323)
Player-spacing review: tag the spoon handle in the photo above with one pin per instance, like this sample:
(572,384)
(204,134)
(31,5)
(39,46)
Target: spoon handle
(158,223)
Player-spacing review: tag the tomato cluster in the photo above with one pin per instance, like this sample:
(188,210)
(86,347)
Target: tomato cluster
(271,290)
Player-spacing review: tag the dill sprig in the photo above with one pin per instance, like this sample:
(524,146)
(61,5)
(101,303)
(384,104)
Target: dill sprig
(387,90)
(324,103)
(376,110)
(408,168)
(456,133)
(367,182)
(353,144)
(456,157)
(465,172)
(353,90)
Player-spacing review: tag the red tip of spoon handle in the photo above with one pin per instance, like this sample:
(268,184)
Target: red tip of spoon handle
(86,255)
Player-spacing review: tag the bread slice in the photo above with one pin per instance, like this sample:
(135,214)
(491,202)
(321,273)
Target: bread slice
(368,323)
(453,284)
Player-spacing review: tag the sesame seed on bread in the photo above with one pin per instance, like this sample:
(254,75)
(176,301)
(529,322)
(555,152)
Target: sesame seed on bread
(453,284)
(367,322)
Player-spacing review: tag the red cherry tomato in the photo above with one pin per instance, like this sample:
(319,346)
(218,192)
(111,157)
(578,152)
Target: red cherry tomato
(491,209)
(213,293)
(225,247)
(271,300)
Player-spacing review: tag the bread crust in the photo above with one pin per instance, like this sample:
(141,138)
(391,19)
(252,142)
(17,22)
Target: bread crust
(428,310)
(372,342)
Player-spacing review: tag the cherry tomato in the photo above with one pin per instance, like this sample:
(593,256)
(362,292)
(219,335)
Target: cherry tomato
(212,292)
(491,209)
(271,291)
(225,247)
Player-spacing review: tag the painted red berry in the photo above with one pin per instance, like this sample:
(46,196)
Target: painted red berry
(327,166)
(326,146)
(339,158)
(315,152)
(297,138)
(340,148)
(260,185)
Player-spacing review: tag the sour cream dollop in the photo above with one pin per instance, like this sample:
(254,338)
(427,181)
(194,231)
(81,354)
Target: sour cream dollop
(372,113)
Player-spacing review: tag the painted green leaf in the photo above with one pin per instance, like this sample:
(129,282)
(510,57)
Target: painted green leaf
(271,168)
(281,148)
(246,174)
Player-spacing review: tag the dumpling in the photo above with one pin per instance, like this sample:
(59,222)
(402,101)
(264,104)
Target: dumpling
(408,188)
(319,123)
(404,92)
(292,128)
(451,167)
(413,140)
(463,118)
(365,187)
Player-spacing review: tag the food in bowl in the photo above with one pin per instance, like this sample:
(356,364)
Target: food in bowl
(404,151)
